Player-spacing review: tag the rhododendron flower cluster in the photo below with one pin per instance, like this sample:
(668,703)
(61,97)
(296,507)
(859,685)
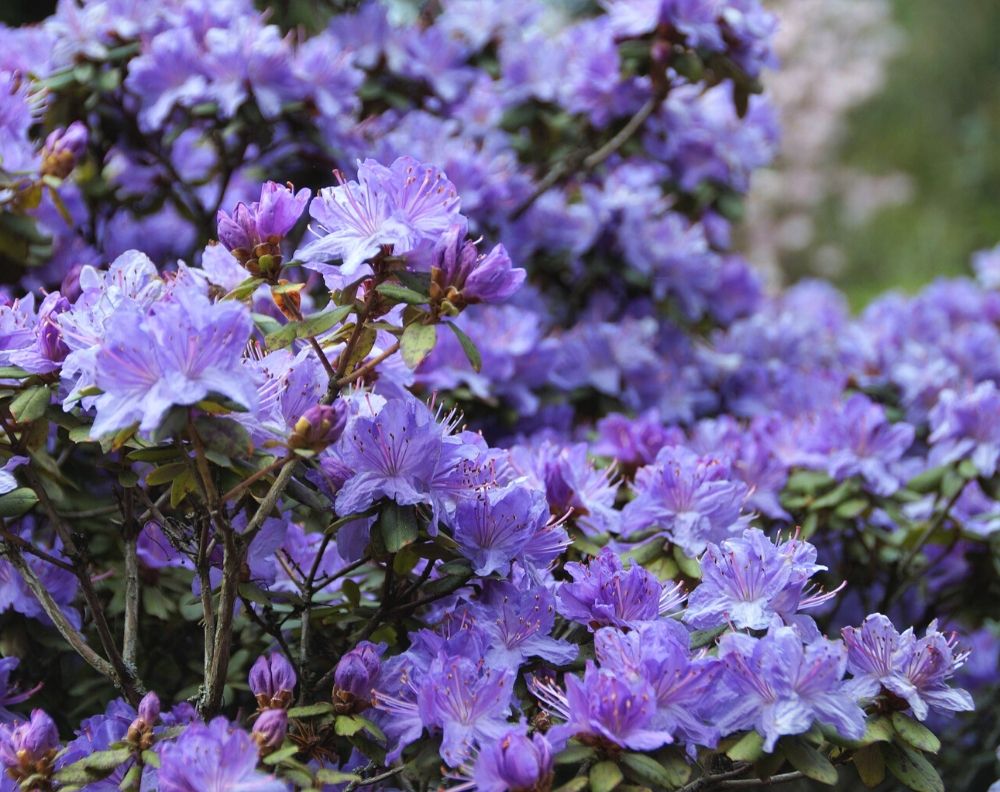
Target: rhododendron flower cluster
(384,404)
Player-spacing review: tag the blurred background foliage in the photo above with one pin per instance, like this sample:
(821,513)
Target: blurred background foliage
(930,132)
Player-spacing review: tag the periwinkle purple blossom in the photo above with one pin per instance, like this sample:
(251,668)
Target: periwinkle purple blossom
(320,426)
(272,681)
(29,747)
(269,729)
(461,276)
(514,762)
(780,686)
(213,757)
(916,671)
(392,208)
(63,149)
(604,593)
(963,426)
(254,231)
(355,676)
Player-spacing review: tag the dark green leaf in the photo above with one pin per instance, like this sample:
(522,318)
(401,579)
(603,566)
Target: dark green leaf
(310,326)
(165,474)
(398,526)
(29,405)
(646,770)
(916,734)
(870,765)
(808,761)
(605,776)
(311,710)
(346,725)
(17,502)
(335,777)
(401,294)
(747,749)
(911,768)
(468,346)
(574,754)
(13,372)
(417,342)
(224,436)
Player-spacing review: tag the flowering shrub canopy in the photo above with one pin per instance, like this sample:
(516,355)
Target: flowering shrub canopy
(384,404)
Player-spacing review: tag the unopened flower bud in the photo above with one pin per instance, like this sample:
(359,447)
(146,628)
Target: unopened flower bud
(63,149)
(272,680)
(355,677)
(270,729)
(140,731)
(28,748)
(320,426)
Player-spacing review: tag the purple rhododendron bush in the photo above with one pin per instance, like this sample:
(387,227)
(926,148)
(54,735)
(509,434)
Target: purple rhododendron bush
(477,459)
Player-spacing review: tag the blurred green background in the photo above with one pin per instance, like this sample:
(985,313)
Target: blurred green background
(937,120)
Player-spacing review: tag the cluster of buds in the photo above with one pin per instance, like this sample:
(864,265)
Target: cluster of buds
(320,426)
(28,750)
(272,681)
(355,676)
(254,232)
(460,276)
(63,149)
(140,731)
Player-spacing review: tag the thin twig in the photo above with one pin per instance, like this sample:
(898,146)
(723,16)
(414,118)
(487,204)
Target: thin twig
(130,638)
(362,371)
(375,779)
(69,633)
(756,783)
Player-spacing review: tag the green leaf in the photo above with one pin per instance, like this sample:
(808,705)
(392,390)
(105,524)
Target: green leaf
(347,725)
(17,502)
(310,326)
(311,710)
(468,346)
(927,481)
(605,776)
(916,734)
(810,762)
(13,372)
(748,748)
(397,293)
(29,405)
(335,777)
(224,435)
(575,785)
(165,474)
(646,770)
(94,767)
(398,526)
(870,765)
(911,768)
(835,497)
(851,508)
(416,343)
(574,754)
(700,638)
(281,754)
(689,566)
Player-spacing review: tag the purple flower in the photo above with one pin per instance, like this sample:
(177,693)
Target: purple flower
(519,623)
(468,702)
(7,480)
(320,426)
(355,676)
(63,149)
(461,276)
(694,499)
(514,762)
(604,593)
(391,455)
(183,351)
(501,525)
(395,207)
(29,747)
(572,484)
(603,706)
(781,687)
(915,670)
(963,426)
(149,709)
(272,681)
(214,757)
(34,342)
(254,231)
(269,729)
(684,684)
(753,583)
